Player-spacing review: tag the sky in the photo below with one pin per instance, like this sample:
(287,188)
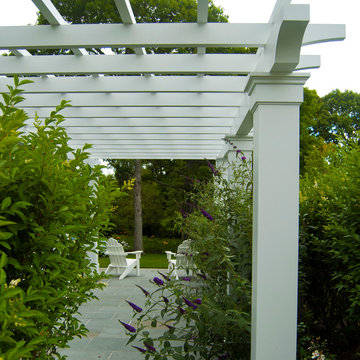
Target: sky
(339,60)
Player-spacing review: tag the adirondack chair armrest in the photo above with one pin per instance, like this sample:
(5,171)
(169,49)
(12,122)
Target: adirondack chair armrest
(169,255)
(137,253)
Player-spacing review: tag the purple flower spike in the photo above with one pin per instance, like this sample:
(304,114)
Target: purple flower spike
(187,279)
(207,215)
(189,303)
(238,151)
(234,147)
(214,171)
(243,158)
(183,213)
(158,281)
(146,293)
(182,311)
(166,300)
(150,347)
(134,306)
(164,276)
(197,301)
(128,327)
(139,348)
(203,276)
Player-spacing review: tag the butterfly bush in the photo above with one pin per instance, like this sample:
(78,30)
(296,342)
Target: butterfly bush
(205,314)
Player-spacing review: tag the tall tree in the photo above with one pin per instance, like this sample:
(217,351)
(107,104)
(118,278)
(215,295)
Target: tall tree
(138,240)
(312,113)
(333,118)
(343,109)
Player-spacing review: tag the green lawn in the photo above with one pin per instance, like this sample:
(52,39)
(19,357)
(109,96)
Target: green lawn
(155,261)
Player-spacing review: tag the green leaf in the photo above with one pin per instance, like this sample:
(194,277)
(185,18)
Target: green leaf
(16,80)
(5,235)
(178,357)
(6,203)
(6,222)
(5,244)
(2,276)
(3,260)
(24,82)
(11,292)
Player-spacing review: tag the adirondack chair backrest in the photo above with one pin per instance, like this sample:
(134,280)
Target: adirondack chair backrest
(116,253)
(183,249)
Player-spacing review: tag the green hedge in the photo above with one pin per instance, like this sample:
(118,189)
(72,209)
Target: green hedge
(53,209)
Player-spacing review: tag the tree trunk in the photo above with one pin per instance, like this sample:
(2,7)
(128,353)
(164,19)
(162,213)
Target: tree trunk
(138,241)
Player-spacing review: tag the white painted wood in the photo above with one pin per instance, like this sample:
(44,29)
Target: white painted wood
(160,156)
(132,112)
(128,84)
(282,51)
(52,15)
(318,33)
(127,17)
(155,138)
(20,52)
(275,232)
(184,34)
(134,99)
(125,11)
(154,122)
(308,62)
(202,17)
(158,147)
(202,11)
(220,131)
(135,35)
(50,12)
(129,64)
(275,221)
(119,143)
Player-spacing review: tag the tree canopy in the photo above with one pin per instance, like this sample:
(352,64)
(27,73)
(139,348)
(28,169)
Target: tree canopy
(331,119)
(105,11)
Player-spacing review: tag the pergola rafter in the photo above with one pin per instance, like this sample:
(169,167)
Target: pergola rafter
(183,106)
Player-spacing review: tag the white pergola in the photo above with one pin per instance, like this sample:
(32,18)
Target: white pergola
(183,106)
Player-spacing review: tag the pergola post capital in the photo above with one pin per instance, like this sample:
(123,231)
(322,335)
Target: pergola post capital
(265,88)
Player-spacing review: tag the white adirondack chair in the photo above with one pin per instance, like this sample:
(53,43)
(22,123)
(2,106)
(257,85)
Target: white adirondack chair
(180,260)
(118,259)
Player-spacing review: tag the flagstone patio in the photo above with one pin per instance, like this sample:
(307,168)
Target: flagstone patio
(106,339)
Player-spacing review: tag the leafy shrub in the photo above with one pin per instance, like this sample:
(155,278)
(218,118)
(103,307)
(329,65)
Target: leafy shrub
(206,315)
(53,210)
(330,251)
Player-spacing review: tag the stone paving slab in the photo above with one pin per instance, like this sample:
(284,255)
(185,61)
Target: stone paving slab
(106,339)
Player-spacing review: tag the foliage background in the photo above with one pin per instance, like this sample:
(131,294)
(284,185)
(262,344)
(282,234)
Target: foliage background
(329,292)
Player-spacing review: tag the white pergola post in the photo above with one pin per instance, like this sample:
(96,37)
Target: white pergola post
(94,255)
(275,111)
